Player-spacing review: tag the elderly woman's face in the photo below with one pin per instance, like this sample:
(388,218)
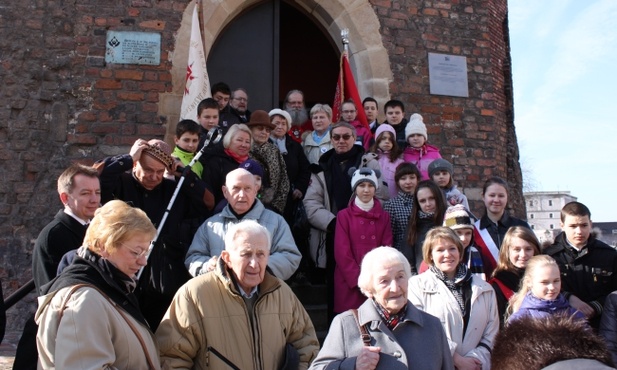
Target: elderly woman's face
(261,134)
(281,126)
(321,122)
(130,255)
(390,287)
(240,143)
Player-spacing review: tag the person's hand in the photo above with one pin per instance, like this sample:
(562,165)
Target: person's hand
(466,363)
(177,166)
(212,263)
(581,306)
(368,358)
(137,148)
(297,194)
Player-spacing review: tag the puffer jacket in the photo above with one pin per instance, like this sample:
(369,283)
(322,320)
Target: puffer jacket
(422,158)
(431,295)
(209,311)
(539,308)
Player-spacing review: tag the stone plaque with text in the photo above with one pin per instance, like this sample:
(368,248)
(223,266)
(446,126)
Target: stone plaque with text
(123,47)
(448,75)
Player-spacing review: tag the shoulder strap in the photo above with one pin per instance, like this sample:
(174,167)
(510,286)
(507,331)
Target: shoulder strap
(126,319)
(366,337)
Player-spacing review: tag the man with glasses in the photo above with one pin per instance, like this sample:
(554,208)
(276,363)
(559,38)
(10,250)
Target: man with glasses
(330,191)
(237,110)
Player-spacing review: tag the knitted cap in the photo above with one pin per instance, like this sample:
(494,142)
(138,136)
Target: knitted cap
(385,127)
(440,164)
(361,175)
(457,217)
(161,151)
(253,167)
(416,126)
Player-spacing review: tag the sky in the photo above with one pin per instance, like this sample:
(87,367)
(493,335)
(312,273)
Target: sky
(564,67)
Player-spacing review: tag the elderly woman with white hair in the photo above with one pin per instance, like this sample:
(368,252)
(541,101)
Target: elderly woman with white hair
(387,331)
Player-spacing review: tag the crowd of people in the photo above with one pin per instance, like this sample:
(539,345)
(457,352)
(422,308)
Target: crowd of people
(188,263)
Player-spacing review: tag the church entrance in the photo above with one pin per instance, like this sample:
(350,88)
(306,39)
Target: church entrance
(272,48)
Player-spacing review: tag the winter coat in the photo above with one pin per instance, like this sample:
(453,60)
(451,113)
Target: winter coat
(505,283)
(313,150)
(401,140)
(209,241)
(431,295)
(414,252)
(421,158)
(319,204)
(608,324)
(418,342)
(186,158)
(89,330)
(363,134)
(61,235)
(388,169)
(217,164)
(209,311)
(276,184)
(298,172)
(399,208)
(357,233)
(591,274)
(539,308)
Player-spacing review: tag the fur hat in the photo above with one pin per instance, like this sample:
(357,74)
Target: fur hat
(282,113)
(385,127)
(260,118)
(440,164)
(253,167)
(416,126)
(363,174)
(457,217)
(161,151)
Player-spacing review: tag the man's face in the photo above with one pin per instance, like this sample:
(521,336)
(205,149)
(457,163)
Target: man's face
(240,191)
(221,98)
(394,115)
(295,101)
(149,171)
(209,118)
(247,259)
(370,110)
(239,101)
(343,139)
(84,198)
(187,142)
(348,112)
(577,229)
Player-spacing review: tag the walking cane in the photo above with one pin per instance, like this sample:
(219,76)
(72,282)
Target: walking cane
(214,135)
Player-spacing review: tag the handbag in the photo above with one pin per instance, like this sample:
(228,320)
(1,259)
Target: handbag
(300,222)
(366,337)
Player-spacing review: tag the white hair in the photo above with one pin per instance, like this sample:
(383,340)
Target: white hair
(378,257)
(249,227)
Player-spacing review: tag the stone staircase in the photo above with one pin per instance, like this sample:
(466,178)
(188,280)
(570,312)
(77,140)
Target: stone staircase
(313,297)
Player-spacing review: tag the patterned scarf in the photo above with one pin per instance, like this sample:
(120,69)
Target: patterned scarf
(462,277)
(390,319)
(108,268)
(425,215)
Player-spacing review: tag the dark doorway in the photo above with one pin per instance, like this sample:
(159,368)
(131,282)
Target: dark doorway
(272,48)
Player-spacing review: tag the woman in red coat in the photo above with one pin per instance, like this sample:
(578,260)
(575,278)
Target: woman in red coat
(360,228)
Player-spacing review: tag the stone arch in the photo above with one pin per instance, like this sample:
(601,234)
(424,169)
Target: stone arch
(368,56)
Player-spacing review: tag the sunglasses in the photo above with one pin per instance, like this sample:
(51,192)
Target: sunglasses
(338,137)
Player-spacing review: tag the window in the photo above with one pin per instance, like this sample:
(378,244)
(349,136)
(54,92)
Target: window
(531,203)
(550,215)
(551,226)
(533,227)
(531,215)
(550,202)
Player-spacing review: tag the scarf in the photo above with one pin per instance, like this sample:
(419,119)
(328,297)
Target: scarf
(109,269)
(280,143)
(425,215)
(390,319)
(339,165)
(236,157)
(456,285)
(317,138)
(364,206)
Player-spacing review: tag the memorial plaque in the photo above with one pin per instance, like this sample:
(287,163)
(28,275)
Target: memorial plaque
(448,75)
(133,48)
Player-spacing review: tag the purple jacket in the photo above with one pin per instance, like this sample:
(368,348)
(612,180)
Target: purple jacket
(357,233)
(539,308)
(422,158)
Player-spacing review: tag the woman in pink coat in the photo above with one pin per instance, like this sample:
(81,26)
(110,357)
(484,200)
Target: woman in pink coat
(419,152)
(360,228)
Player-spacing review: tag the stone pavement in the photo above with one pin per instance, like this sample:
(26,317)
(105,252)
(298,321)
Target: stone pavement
(7,349)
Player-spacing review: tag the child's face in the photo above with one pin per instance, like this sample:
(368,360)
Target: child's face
(188,142)
(408,183)
(441,178)
(209,118)
(465,236)
(394,115)
(520,252)
(577,229)
(546,282)
(385,141)
(257,182)
(416,140)
(365,191)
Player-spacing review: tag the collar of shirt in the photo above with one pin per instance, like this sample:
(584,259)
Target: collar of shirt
(69,212)
(245,294)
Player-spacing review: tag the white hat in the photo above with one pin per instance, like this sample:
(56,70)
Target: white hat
(361,175)
(282,113)
(416,126)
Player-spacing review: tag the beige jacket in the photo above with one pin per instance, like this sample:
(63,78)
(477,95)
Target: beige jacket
(90,333)
(209,311)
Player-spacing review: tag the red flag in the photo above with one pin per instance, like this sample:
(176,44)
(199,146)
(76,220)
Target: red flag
(346,89)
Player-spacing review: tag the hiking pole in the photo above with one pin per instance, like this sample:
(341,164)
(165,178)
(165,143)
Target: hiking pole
(214,135)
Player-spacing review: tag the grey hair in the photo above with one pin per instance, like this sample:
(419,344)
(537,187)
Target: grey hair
(380,256)
(249,227)
(321,108)
(233,130)
(346,125)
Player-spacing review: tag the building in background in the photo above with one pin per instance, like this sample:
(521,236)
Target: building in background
(544,210)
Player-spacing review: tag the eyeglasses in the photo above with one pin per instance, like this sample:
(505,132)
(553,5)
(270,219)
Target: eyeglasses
(136,254)
(349,111)
(241,99)
(338,137)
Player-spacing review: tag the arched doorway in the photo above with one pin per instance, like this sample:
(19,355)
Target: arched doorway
(271,48)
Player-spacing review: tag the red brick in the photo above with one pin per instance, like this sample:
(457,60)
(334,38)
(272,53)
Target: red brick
(487,112)
(85,139)
(133,12)
(156,86)
(132,96)
(430,11)
(153,25)
(151,130)
(129,74)
(106,73)
(108,84)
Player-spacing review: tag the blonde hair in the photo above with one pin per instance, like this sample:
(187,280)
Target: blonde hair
(521,232)
(534,264)
(433,236)
(380,256)
(233,130)
(114,223)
